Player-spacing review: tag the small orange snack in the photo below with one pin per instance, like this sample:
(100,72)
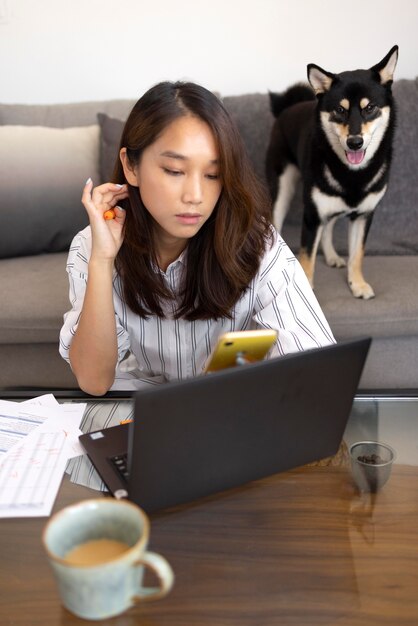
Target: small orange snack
(109,215)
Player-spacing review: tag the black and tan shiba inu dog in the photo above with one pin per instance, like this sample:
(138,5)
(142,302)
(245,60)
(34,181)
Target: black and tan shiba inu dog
(341,144)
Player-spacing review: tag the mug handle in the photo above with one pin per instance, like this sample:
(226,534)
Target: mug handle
(162,569)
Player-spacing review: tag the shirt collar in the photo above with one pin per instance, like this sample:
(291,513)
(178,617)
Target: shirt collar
(180,261)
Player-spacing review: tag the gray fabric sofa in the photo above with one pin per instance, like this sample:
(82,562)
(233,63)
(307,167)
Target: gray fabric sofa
(46,154)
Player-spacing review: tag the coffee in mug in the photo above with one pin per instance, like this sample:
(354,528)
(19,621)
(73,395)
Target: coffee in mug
(95,552)
(98,551)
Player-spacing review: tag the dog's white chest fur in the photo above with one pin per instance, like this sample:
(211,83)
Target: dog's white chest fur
(332,206)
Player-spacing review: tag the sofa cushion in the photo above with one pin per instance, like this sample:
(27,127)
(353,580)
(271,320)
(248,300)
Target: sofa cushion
(35,298)
(111,131)
(392,313)
(42,174)
(29,313)
(34,366)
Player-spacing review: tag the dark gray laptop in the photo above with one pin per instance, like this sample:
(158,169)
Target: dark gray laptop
(203,435)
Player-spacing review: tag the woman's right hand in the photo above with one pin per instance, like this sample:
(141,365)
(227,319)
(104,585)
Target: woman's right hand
(107,235)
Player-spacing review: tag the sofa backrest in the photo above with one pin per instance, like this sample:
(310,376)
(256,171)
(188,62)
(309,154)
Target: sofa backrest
(46,154)
(48,151)
(62,115)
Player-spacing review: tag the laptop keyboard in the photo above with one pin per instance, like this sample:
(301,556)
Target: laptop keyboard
(120,463)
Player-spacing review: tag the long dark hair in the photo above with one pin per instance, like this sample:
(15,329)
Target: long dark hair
(224,256)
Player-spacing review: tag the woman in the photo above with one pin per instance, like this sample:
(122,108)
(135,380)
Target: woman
(190,253)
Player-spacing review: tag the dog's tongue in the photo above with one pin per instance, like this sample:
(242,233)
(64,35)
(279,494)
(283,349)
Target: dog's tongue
(355,157)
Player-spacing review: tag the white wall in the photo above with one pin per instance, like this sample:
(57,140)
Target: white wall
(73,50)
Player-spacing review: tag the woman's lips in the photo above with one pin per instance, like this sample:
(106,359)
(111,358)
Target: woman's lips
(188,218)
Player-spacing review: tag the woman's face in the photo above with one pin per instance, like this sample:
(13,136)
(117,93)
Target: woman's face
(179,182)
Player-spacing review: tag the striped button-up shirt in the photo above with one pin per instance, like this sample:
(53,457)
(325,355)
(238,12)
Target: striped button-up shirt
(156,350)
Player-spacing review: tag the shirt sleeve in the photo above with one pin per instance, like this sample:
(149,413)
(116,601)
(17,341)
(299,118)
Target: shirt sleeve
(285,302)
(77,269)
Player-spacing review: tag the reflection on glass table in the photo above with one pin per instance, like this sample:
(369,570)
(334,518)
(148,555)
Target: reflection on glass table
(393,421)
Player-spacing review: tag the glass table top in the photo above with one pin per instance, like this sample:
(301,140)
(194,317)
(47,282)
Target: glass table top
(390,419)
(393,421)
(387,419)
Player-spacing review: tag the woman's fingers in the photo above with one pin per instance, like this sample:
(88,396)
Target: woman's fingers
(103,198)
(120,214)
(112,193)
(86,198)
(109,194)
(117,214)
(106,218)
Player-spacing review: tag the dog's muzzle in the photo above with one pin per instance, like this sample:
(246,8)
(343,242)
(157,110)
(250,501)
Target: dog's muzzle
(355,154)
(355,142)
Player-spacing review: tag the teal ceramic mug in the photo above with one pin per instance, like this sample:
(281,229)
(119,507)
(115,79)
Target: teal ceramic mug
(98,552)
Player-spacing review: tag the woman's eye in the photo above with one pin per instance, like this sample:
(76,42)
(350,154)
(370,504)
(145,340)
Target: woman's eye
(213,176)
(172,172)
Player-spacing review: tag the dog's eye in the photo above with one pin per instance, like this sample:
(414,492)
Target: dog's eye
(370,108)
(340,110)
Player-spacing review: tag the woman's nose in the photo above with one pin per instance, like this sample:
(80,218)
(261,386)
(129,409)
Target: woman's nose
(192,190)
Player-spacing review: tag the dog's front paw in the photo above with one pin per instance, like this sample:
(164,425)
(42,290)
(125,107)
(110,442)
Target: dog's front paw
(362,290)
(335,261)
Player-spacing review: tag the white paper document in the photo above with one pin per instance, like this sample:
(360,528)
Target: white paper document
(31,474)
(40,436)
(16,422)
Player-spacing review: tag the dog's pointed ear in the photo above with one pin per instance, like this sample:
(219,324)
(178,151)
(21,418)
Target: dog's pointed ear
(319,79)
(386,68)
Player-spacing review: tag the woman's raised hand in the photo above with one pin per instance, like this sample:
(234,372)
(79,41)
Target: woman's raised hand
(107,234)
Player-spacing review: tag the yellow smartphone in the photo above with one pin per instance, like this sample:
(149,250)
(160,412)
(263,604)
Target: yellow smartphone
(240,347)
